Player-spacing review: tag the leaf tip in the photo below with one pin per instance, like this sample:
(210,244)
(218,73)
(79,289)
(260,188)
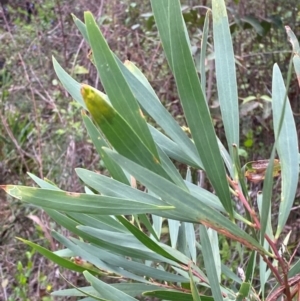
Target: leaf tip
(74,17)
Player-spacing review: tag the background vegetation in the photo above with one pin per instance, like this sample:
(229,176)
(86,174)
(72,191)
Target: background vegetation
(40,130)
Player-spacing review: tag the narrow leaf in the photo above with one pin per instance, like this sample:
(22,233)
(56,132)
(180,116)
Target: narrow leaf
(214,243)
(123,264)
(98,140)
(143,218)
(210,265)
(115,85)
(175,296)
(80,202)
(132,289)
(287,148)
(65,263)
(173,231)
(225,73)
(42,183)
(144,239)
(70,84)
(195,293)
(267,196)
(171,29)
(203,51)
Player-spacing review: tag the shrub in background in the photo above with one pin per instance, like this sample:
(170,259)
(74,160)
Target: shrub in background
(119,228)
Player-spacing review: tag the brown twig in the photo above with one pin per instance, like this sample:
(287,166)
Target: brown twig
(39,157)
(272,245)
(244,201)
(62,32)
(278,292)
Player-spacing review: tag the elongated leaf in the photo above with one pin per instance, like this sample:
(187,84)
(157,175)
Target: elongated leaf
(173,231)
(140,76)
(293,39)
(115,84)
(287,148)
(42,183)
(296,49)
(177,254)
(70,84)
(91,297)
(226,157)
(75,292)
(190,239)
(203,51)
(170,169)
(189,230)
(251,267)
(171,29)
(127,242)
(70,224)
(104,222)
(143,218)
(225,73)
(80,202)
(157,224)
(195,293)
(175,296)
(296,61)
(65,263)
(182,246)
(103,239)
(92,259)
(214,243)
(172,149)
(144,239)
(196,210)
(98,140)
(132,289)
(208,198)
(267,196)
(262,263)
(82,28)
(110,187)
(87,258)
(210,265)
